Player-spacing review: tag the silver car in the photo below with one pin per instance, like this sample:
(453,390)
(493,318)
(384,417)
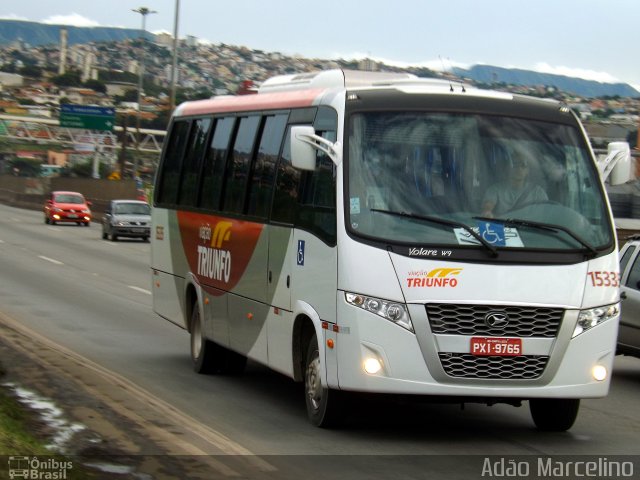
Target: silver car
(629,333)
(127,218)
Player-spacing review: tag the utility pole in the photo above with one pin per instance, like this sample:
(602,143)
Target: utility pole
(143,11)
(123,151)
(174,64)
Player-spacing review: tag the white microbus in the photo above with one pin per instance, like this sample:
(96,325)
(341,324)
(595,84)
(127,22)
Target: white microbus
(364,232)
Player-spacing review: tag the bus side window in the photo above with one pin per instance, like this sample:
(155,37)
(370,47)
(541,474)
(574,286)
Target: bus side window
(317,201)
(171,163)
(214,164)
(285,198)
(193,161)
(238,166)
(264,166)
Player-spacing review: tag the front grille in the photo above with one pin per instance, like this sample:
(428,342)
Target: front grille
(453,319)
(464,365)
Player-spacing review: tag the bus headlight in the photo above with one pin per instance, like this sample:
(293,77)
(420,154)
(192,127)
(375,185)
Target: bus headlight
(393,311)
(595,316)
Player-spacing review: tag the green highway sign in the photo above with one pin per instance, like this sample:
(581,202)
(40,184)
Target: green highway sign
(87,117)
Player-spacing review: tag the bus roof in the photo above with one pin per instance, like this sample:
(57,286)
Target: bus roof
(240,103)
(307,89)
(303,90)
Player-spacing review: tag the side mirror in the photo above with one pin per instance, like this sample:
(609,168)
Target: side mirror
(304,145)
(617,165)
(89,203)
(303,154)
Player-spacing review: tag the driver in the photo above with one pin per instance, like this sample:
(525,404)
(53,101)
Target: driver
(515,192)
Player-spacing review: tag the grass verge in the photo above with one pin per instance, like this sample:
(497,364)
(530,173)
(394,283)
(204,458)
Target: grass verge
(16,436)
(19,438)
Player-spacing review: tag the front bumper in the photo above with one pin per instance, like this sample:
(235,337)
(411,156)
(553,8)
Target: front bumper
(412,362)
(131,231)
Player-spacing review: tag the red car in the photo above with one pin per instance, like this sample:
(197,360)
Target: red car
(67,207)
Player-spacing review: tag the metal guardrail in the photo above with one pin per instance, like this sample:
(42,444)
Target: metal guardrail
(49,130)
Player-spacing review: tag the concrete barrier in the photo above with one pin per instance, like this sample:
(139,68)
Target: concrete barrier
(24,192)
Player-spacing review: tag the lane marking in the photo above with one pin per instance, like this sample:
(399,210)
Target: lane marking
(50,260)
(138,289)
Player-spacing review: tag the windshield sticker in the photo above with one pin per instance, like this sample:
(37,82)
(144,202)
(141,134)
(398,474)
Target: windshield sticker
(355,206)
(300,259)
(494,233)
(439,277)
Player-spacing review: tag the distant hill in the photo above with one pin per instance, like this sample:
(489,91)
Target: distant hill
(37,34)
(578,86)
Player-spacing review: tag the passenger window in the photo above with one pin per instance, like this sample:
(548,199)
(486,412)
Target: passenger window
(308,199)
(193,161)
(239,163)
(285,198)
(263,173)
(625,259)
(214,164)
(634,275)
(171,163)
(317,211)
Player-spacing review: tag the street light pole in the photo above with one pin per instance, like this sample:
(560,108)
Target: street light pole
(143,11)
(174,64)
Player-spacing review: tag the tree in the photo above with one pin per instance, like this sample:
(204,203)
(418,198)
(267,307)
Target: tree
(24,167)
(31,71)
(69,79)
(96,85)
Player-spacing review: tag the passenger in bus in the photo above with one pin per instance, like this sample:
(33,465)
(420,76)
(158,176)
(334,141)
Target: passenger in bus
(515,192)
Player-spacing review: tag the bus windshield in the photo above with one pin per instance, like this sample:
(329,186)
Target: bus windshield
(456,179)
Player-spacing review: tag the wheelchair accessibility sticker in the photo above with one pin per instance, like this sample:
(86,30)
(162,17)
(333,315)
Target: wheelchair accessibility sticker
(494,233)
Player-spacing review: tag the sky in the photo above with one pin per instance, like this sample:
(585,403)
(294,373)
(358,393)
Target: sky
(592,39)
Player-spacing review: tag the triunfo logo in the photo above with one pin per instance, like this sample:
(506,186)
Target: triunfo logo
(439,277)
(214,261)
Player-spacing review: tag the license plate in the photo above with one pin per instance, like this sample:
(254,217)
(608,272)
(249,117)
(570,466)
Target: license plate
(504,347)
(137,230)
(72,216)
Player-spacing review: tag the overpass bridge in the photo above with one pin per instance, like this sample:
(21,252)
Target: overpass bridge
(47,130)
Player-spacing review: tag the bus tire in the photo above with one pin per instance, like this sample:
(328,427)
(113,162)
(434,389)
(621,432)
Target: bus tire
(554,414)
(324,405)
(233,363)
(203,351)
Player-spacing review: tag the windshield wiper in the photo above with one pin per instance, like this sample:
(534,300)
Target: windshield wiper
(442,221)
(509,222)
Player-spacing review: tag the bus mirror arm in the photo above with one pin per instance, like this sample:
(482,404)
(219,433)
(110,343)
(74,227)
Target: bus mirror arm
(305,142)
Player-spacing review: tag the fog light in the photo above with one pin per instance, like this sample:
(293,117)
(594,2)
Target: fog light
(599,373)
(372,366)
(56,216)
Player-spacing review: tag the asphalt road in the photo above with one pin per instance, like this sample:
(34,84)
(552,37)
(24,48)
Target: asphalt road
(93,297)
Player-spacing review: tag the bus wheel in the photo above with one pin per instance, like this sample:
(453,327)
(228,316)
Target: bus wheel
(324,405)
(234,363)
(554,414)
(202,350)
